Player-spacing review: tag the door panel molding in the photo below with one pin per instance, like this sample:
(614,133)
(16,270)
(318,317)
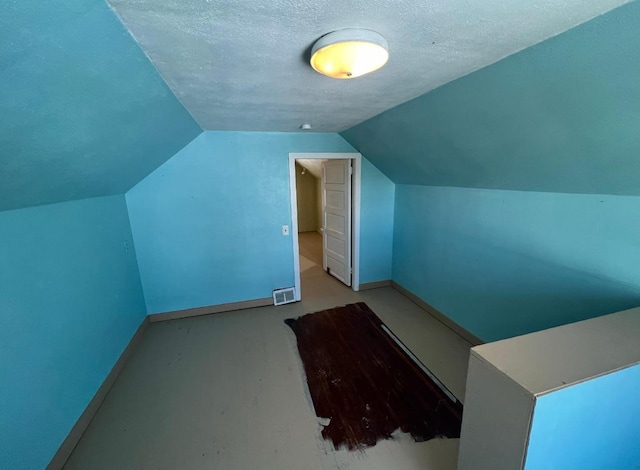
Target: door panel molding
(336,216)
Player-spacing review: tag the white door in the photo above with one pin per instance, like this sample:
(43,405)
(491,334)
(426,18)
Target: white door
(336,218)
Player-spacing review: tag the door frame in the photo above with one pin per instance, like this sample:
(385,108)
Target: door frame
(356,160)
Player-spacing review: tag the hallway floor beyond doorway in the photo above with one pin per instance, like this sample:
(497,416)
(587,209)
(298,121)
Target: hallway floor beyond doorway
(311,247)
(316,283)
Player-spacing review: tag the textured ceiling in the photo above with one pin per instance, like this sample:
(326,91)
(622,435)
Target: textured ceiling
(241,65)
(83,112)
(561,116)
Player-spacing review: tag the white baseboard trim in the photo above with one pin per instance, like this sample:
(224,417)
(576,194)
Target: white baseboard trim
(375,284)
(78,429)
(196,312)
(438,315)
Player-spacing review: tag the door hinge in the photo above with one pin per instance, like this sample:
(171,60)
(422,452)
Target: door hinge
(350,170)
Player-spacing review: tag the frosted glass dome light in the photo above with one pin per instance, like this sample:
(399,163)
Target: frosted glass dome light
(349,53)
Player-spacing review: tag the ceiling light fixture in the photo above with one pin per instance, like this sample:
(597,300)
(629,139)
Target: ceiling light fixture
(349,53)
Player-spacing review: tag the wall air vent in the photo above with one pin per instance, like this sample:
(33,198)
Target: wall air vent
(284,296)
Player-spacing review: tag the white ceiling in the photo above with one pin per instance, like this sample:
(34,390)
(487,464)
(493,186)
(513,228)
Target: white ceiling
(242,64)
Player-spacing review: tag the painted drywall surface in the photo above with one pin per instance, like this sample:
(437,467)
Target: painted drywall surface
(505,263)
(376,233)
(208,223)
(84,112)
(307,195)
(592,425)
(561,116)
(70,301)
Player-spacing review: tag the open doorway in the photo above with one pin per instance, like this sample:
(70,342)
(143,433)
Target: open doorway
(313,279)
(325,234)
(309,206)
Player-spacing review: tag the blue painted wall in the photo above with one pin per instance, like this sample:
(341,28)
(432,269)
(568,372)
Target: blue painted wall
(207,224)
(376,224)
(593,425)
(505,263)
(561,116)
(70,301)
(84,112)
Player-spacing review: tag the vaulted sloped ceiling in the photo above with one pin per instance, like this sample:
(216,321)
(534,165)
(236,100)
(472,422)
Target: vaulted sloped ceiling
(243,64)
(83,111)
(561,116)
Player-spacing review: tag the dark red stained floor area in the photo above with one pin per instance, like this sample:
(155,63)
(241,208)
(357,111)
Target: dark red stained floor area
(360,379)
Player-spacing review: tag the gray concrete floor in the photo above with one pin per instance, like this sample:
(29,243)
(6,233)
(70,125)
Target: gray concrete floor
(227,391)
